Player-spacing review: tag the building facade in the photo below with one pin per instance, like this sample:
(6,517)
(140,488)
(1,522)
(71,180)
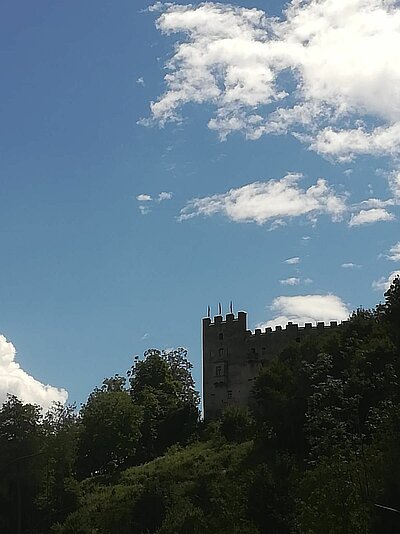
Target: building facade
(233,356)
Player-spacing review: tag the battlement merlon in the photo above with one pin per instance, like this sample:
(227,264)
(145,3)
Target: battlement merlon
(240,320)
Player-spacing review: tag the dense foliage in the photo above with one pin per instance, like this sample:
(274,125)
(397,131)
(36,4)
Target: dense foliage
(320,453)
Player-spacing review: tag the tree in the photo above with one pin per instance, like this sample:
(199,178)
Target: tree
(110,430)
(237,425)
(60,491)
(163,386)
(390,310)
(281,392)
(21,449)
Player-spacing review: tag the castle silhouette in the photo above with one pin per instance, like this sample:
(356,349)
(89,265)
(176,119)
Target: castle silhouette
(234,355)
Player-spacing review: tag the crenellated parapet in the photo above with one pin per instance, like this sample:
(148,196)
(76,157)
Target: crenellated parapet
(240,322)
(294,328)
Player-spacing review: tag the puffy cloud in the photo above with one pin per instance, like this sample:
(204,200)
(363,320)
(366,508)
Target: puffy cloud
(15,381)
(293,261)
(302,309)
(383,283)
(394,252)
(260,202)
(341,89)
(371,216)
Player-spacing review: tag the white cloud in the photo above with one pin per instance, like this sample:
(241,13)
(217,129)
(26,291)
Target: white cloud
(278,223)
(144,210)
(394,252)
(371,216)
(383,283)
(302,309)
(351,265)
(346,144)
(293,261)
(394,184)
(290,281)
(148,199)
(342,58)
(15,381)
(164,195)
(140,81)
(260,202)
(375,203)
(294,281)
(144,198)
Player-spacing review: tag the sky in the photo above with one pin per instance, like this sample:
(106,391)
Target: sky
(160,158)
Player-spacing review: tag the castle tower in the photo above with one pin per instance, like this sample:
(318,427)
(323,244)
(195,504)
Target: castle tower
(229,367)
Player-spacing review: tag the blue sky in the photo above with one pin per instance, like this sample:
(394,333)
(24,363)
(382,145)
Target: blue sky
(270,139)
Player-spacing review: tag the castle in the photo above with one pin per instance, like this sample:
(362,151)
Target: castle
(233,356)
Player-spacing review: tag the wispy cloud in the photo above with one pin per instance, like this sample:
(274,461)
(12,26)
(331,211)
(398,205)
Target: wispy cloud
(302,309)
(293,261)
(344,95)
(290,281)
(394,183)
(15,381)
(261,202)
(164,195)
(144,210)
(294,281)
(394,252)
(383,283)
(351,265)
(147,200)
(144,198)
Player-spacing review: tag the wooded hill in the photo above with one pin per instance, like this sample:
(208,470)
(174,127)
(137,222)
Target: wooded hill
(320,454)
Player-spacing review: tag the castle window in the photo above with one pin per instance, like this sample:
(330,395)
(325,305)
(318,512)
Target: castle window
(229,394)
(221,353)
(221,336)
(253,350)
(218,370)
